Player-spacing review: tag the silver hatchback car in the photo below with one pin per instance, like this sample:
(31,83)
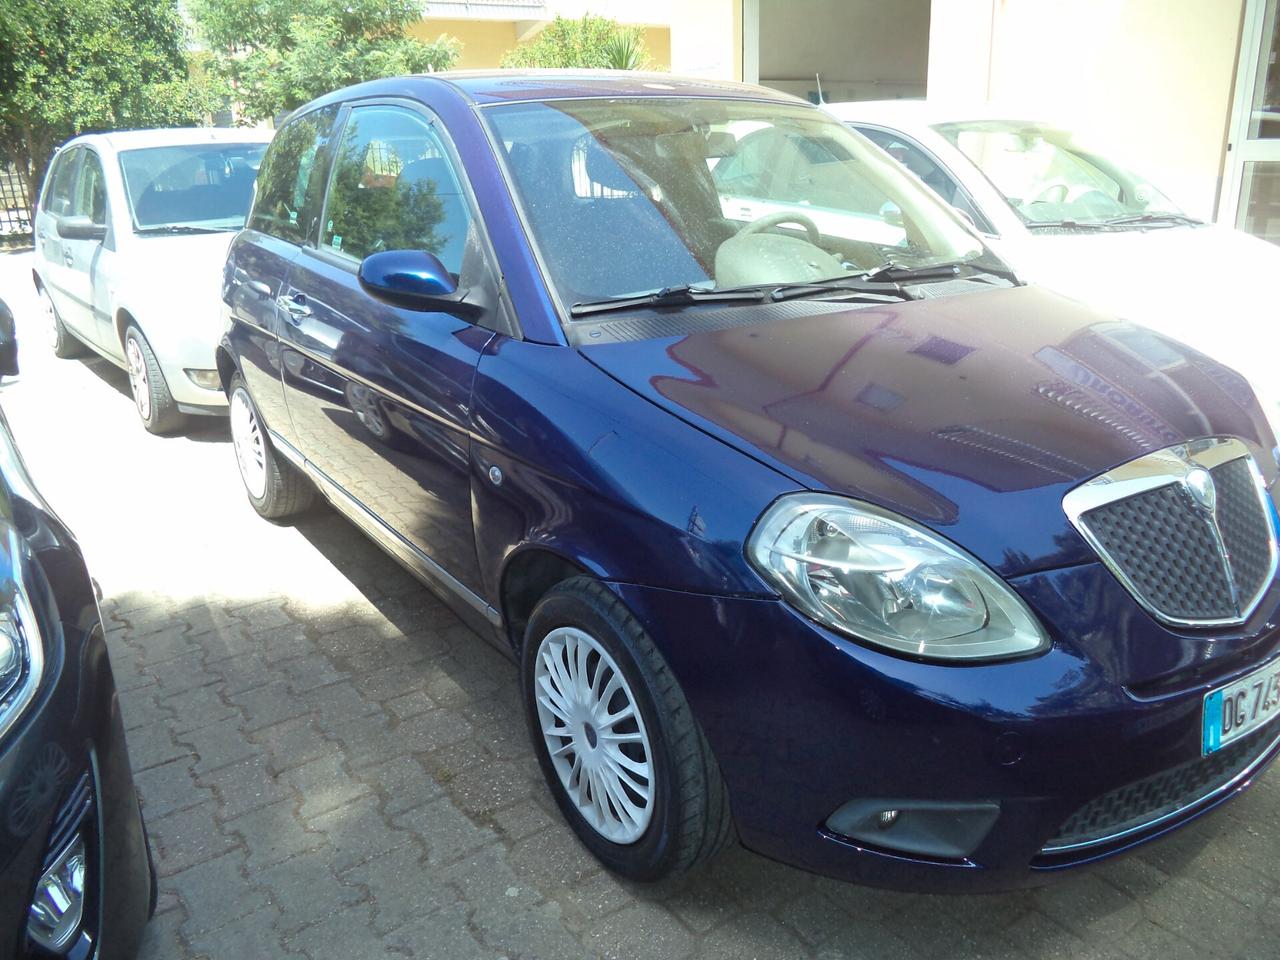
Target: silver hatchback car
(132,229)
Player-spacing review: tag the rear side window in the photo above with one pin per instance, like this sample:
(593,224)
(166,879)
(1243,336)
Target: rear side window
(394,188)
(291,181)
(57,198)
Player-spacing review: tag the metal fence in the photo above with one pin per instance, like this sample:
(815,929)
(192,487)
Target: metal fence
(15,205)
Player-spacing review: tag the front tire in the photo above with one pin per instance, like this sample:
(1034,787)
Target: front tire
(156,407)
(274,487)
(65,345)
(627,763)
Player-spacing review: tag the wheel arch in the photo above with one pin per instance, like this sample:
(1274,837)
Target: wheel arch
(528,574)
(226,365)
(123,320)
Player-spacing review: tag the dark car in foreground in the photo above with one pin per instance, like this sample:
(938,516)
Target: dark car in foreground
(76,879)
(802,517)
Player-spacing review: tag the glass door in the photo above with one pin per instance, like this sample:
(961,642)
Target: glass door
(1252,199)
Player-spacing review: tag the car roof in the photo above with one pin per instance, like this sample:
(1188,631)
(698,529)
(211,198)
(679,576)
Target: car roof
(175,136)
(483,87)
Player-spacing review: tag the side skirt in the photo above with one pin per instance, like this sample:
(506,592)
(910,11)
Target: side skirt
(470,606)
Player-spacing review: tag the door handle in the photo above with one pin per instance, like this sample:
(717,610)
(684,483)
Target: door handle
(68,258)
(258,287)
(295,306)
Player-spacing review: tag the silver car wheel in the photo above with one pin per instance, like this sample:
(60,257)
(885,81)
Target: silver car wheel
(50,318)
(246,437)
(138,381)
(594,734)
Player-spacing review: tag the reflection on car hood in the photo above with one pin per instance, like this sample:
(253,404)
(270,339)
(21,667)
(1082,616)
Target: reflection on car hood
(1210,287)
(970,414)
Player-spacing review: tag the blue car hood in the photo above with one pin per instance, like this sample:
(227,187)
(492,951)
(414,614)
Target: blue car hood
(972,414)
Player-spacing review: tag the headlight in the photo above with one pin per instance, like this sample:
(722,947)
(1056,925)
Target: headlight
(21,656)
(1266,398)
(880,578)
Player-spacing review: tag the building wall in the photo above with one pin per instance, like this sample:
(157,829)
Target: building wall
(484,41)
(863,49)
(1152,79)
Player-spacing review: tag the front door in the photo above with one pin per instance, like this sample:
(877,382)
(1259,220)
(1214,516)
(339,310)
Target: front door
(1252,198)
(90,263)
(379,396)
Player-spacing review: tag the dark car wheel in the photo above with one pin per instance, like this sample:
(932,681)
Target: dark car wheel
(275,488)
(628,765)
(64,343)
(155,404)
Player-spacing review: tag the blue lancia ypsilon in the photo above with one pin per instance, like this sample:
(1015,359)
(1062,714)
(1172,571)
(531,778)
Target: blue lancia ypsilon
(804,519)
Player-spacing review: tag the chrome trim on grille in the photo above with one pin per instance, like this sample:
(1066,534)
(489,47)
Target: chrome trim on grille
(1185,465)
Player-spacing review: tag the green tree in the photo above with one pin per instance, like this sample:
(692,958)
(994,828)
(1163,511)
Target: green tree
(278,54)
(73,66)
(594,42)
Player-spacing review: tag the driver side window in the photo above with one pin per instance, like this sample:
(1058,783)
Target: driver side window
(394,188)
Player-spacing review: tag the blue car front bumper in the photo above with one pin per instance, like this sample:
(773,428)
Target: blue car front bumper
(1035,765)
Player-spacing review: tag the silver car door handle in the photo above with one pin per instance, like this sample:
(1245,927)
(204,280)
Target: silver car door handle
(295,306)
(260,288)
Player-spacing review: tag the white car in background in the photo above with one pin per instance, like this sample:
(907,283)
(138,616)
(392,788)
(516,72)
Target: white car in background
(1067,216)
(131,234)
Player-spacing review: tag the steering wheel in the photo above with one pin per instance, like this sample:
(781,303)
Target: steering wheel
(773,219)
(1054,193)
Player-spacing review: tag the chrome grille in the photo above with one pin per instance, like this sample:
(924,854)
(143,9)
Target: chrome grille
(1188,530)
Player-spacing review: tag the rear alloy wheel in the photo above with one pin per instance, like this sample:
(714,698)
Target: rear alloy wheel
(276,490)
(155,404)
(627,764)
(65,345)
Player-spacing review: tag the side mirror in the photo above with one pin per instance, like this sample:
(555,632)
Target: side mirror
(80,228)
(414,279)
(8,343)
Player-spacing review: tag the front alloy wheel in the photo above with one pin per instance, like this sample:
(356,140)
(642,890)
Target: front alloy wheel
(628,765)
(594,734)
(151,397)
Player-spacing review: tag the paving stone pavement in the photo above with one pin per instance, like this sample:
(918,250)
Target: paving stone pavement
(332,766)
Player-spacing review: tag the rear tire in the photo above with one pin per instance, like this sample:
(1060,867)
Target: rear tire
(674,810)
(156,407)
(273,485)
(64,343)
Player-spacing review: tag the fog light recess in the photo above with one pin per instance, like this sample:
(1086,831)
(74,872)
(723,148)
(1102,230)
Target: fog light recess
(58,906)
(207,379)
(945,831)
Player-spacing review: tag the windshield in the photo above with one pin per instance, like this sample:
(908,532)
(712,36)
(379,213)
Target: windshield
(626,197)
(203,185)
(1048,176)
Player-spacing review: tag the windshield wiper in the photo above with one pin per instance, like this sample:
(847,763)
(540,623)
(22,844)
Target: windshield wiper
(840,289)
(845,288)
(891,272)
(178,228)
(678,296)
(1140,218)
(1069,224)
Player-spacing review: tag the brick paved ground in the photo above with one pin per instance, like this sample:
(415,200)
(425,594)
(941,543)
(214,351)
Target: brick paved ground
(333,767)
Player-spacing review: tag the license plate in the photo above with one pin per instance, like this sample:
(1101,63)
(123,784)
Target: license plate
(1239,708)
